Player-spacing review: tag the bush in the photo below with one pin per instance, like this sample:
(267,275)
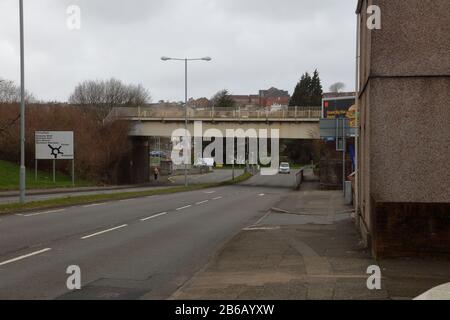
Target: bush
(99,147)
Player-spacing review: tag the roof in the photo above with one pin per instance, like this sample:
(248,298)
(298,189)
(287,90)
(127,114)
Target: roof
(338,94)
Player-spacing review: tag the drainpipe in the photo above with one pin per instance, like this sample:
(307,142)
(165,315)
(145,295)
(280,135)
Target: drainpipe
(357,69)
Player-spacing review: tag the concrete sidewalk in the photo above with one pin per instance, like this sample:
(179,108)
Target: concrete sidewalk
(13,193)
(307,248)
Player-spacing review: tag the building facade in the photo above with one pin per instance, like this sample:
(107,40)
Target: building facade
(403,183)
(265,98)
(273,96)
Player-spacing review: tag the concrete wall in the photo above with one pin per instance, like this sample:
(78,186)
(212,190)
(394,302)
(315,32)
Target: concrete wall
(288,130)
(405,126)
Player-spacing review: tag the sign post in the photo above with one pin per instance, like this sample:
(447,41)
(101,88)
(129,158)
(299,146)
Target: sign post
(54,145)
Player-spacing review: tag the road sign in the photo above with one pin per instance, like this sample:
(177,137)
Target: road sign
(333,128)
(54,145)
(337,107)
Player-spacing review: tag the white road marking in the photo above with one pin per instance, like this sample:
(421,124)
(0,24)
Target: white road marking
(255,225)
(185,207)
(209,192)
(125,200)
(25,256)
(154,216)
(39,213)
(260,228)
(94,205)
(261,194)
(217,198)
(202,202)
(104,231)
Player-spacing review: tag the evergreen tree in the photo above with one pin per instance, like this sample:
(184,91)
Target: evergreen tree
(300,96)
(223,99)
(316,90)
(308,91)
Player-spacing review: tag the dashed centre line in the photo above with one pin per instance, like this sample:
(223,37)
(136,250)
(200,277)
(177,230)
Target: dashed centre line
(154,216)
(217,198)
(102,232)
(185,207)
(202,202)
(94,205)
(24,256)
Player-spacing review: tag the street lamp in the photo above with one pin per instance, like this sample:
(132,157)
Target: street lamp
(22,108)
(185,100)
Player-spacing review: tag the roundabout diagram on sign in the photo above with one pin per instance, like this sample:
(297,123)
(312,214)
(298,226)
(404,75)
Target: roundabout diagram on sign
(56,151)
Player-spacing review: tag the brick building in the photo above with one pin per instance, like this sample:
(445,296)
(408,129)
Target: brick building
(265,98)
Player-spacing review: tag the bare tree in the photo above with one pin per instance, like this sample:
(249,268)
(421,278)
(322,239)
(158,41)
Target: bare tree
(336,87)
(101,96)
(137,95)
(10,93)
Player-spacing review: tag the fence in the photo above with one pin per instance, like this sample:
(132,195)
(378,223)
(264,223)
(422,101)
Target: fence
(233,114)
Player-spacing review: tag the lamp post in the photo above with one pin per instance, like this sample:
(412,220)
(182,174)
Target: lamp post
(185,101)
(22,108)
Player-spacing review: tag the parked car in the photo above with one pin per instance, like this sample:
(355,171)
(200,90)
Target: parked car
(204,162)
(160,154)
(284,168)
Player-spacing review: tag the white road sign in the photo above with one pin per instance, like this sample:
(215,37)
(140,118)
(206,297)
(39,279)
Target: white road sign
(54,145)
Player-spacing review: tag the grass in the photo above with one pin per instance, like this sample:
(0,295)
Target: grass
(9,178)
(88,199)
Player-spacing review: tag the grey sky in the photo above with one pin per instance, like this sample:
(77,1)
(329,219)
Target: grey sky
(255,44)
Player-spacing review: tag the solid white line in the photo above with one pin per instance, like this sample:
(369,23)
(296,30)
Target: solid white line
(25,256)
(217,198)
(94,205)
(104,231)
(185,207)
(202,202)
(39,213)
(154,216)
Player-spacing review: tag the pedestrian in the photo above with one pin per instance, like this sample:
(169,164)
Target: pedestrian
(156,173)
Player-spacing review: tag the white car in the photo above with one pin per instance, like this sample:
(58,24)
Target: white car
(205,162)
(284,168)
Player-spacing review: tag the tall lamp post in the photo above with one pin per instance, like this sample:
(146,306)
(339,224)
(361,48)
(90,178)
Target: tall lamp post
(22,108)
(185,101)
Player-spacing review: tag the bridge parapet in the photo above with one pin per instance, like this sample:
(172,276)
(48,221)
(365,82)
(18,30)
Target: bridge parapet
(287,114)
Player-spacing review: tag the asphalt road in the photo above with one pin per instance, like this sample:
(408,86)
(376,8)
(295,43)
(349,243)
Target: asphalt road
(142,248)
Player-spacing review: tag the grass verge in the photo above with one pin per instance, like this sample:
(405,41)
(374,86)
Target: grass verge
(9,178)
(88,199)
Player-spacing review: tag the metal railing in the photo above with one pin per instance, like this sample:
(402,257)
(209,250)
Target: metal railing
(232,114)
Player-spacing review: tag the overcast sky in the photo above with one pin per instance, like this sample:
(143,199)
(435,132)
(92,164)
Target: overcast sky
(255,44)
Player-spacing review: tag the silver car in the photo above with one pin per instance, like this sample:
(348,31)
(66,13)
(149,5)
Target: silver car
(284,168)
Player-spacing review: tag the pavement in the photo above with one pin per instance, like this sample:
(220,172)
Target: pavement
(307,248)
(144,248)
(218,175)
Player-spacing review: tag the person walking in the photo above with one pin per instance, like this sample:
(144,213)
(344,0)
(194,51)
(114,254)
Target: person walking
(156,173)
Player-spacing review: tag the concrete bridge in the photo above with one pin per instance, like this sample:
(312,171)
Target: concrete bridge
(292,122)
